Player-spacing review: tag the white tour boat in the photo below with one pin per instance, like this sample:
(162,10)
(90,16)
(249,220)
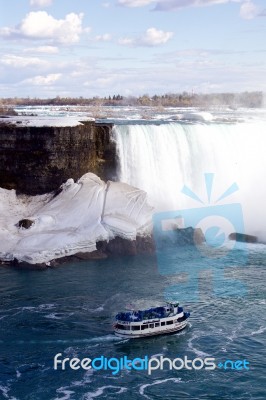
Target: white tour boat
(154,321)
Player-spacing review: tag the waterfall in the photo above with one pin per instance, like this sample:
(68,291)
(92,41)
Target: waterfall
(162,158)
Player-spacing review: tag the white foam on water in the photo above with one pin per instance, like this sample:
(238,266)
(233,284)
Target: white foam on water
(100,391)
(157,382)
(41,307)
(48,306)
(65,392)
(184,331)
(71,351)
(261,330)
(106,338)
(202,116)
(122,341)
(101,308)
(235,332)
(28,308)
(103,305)
(18,374)
(5,390)
(58,315)
(85,380)
(64,115)
(198,352)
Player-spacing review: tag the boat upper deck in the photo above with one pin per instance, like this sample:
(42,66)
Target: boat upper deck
(151,313)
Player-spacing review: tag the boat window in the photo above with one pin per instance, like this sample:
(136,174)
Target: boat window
(162,323)
(144,327)
(157,324)
(135,327)
(123,327)
(169,322)
(151,325)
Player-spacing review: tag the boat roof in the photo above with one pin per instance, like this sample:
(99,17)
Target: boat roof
(140,315)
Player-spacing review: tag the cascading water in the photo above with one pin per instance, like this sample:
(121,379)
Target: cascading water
(162,158)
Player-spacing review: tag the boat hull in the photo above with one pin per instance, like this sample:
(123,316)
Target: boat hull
(127,335)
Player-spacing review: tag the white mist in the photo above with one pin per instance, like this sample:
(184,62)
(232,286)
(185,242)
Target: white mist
(161,159)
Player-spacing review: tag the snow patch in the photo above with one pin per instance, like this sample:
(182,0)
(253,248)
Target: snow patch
(82,214)
(40,121)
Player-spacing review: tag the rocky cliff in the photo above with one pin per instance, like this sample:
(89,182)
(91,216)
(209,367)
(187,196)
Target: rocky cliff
(38,159)
(82,220)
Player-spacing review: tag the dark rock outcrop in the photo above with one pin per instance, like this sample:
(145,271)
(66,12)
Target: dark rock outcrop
(36,160)
(25,223)
(113,248)
(94,255)
(199,237)
(123,247)
(242,237)
(179,237)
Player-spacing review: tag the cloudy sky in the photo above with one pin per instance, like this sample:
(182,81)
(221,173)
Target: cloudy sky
(131,47)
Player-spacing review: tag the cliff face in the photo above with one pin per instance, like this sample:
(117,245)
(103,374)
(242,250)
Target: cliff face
(36,160)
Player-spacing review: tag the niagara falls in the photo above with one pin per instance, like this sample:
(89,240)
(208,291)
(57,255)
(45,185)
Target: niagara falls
(132,200)
(176,172)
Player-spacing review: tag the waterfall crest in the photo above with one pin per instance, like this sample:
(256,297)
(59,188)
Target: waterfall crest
(161,159)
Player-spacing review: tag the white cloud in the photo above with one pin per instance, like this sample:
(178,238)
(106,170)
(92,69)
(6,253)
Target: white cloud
(40,80)
(152,37)
(106,5)
(41,25)
(42,49)
(102,82)
(126,41)
(155,37)
(5,31)
(87,30)
(168,5)
(41,3)
(248,10)
(106,37)
(94,76)
(165,5)
(135,3)
(21,62)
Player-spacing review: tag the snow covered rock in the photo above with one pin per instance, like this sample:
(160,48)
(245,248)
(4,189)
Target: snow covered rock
(82,214)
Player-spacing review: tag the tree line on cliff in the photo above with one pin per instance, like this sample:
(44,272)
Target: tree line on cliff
(184,99)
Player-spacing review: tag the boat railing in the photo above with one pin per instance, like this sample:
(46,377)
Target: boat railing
(136,316)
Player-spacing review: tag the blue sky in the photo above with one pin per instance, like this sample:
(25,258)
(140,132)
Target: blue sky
(131,47)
